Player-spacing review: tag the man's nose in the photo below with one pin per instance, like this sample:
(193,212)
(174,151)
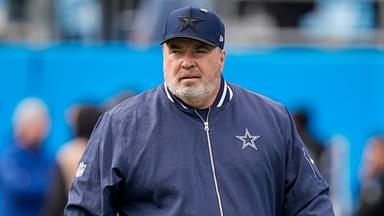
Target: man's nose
(188,62)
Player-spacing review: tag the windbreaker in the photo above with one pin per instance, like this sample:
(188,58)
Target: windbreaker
(154,156)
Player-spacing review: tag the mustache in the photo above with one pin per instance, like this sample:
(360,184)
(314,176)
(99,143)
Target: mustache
(189,73)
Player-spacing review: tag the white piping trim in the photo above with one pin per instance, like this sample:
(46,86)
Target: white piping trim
(166,91)
(218,105)
(230,93)
(170,97)
(183,106)
(223,95)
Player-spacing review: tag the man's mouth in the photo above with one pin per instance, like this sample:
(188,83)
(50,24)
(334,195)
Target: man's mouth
(189,78)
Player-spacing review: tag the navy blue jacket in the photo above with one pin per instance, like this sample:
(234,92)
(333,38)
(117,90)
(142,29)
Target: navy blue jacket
(153,156)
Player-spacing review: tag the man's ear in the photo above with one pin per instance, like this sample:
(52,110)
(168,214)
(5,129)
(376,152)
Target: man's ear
(223,55)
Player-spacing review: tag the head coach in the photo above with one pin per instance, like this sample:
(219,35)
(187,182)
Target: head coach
(197,144)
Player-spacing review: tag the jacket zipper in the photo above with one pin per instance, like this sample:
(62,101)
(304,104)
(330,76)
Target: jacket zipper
(206,129)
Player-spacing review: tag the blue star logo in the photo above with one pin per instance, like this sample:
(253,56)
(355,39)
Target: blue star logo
(248,140)
(189,21)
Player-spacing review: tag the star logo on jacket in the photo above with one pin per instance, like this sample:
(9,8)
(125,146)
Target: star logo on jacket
(80,169)
(248,140)
(189,21)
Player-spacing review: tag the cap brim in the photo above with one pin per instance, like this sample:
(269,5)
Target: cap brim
(190,37)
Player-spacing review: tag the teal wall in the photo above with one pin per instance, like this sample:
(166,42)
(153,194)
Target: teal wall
(343,88)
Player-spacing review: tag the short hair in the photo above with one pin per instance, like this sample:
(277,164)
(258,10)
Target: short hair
(30,108)
(378,139)
(85,120)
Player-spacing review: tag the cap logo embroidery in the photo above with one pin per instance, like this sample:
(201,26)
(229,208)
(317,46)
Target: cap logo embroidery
(221,39)
(189,21)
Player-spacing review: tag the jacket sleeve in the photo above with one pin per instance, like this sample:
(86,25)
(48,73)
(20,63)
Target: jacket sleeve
(95,188)
(306,192)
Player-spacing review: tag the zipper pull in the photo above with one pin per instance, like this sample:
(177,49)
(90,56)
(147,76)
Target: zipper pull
(206,128)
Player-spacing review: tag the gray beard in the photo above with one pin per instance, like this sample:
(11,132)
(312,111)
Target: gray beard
(199,92)
(196,94)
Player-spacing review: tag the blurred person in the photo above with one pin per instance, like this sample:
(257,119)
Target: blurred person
(197,145)
(315,148)
(339,174)
(372,197)
(83,118)
(24,169)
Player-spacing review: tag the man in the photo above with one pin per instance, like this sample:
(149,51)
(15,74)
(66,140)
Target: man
(314,146)
(83,118)
(24,168)
(372,196)
(197,145)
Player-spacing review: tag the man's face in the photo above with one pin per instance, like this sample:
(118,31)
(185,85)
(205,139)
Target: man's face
(31,132)
(192,70)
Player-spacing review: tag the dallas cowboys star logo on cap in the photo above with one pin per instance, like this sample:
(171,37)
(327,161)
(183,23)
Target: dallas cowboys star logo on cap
(248,140)
(189,21)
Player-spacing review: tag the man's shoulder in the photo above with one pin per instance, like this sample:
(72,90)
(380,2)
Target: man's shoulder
(11,151)
(256,99)
(131,106)
(75,145)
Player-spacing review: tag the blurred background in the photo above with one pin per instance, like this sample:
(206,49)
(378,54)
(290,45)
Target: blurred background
(323,59)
